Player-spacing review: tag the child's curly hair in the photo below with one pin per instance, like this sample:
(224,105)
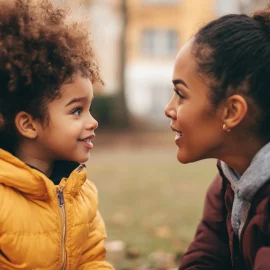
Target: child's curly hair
(40,50)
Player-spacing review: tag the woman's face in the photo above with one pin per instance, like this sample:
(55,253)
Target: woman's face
(197,124)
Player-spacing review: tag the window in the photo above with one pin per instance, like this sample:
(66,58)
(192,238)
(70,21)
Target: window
(163,2)
(159,43)
(225,7)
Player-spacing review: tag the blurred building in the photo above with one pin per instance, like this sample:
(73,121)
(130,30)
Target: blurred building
(155,31)
(105,21)
(107,26)
(239,6)
(137,42)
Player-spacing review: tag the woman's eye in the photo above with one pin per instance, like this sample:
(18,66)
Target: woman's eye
(77,111)
(178,93)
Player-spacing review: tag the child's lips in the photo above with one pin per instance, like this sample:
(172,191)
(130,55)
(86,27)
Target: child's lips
(88,141)
(88,138)
(88,144)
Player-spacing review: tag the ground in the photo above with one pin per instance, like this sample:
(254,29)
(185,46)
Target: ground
(149,201)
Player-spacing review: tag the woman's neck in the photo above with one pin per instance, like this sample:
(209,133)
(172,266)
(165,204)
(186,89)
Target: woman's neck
(239,155)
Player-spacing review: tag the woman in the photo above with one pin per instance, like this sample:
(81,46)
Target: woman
(220,109)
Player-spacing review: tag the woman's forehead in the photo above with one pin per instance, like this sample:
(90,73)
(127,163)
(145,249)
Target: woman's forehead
(185,61)
(186,67)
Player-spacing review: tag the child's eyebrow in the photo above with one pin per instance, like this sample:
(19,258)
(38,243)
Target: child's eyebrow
(75,100)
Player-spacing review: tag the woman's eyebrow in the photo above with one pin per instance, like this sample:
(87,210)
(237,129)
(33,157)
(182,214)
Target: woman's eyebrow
(175,82)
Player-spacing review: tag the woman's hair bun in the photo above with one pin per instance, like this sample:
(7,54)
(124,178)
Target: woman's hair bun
(263,16)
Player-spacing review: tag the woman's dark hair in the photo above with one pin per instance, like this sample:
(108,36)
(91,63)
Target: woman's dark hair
(235,51)
(40,50)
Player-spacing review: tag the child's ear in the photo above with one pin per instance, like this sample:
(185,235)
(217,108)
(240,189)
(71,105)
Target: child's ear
(235,109)
(26,125)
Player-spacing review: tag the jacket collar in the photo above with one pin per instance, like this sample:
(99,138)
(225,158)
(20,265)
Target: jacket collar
(255,176)
(247,185)
(32,182)
(62,168)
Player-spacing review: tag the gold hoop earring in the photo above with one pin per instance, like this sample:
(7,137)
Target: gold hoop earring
(225,128)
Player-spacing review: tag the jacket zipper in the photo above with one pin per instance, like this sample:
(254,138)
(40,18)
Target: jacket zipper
(80,168)
(63,216)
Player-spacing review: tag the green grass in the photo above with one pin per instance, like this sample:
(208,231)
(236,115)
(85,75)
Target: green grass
(147,198)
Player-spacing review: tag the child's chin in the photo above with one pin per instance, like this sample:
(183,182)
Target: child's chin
(82,159)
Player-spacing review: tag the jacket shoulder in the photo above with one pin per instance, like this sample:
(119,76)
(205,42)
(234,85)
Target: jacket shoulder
(90,193)
(216,189)
(215,198)
(261,204)
(8,198)
(1,200)
(262,198)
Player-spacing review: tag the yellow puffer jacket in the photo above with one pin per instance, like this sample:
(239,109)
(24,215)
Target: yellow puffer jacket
(47,226)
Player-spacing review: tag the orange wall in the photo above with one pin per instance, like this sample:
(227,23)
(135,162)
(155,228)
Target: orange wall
(185,17)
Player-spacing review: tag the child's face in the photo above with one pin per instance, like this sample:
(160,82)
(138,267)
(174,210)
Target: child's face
(71,126)
(198,126)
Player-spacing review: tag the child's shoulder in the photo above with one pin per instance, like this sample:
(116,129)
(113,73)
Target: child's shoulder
(89,190)
(11,202)
(90,186)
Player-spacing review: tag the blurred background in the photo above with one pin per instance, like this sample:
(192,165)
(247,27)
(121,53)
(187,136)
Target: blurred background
(151,204)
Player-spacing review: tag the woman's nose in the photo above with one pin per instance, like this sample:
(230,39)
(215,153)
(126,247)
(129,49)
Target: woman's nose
(170,112)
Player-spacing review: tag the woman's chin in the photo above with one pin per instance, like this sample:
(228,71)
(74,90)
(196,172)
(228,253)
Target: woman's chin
(183,161)
(184,158)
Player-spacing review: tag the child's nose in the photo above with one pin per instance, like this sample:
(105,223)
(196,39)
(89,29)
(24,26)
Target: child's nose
(95,125)
(92,123)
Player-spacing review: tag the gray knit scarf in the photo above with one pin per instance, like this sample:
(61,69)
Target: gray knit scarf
(246,186)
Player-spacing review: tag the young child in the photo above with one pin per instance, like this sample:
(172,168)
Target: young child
(221,109)
(48,209)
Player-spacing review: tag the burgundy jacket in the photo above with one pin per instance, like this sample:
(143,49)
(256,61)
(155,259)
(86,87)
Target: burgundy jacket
(216,246)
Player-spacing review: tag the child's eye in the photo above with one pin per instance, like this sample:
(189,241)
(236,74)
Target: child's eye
(77,111)
(178,93)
